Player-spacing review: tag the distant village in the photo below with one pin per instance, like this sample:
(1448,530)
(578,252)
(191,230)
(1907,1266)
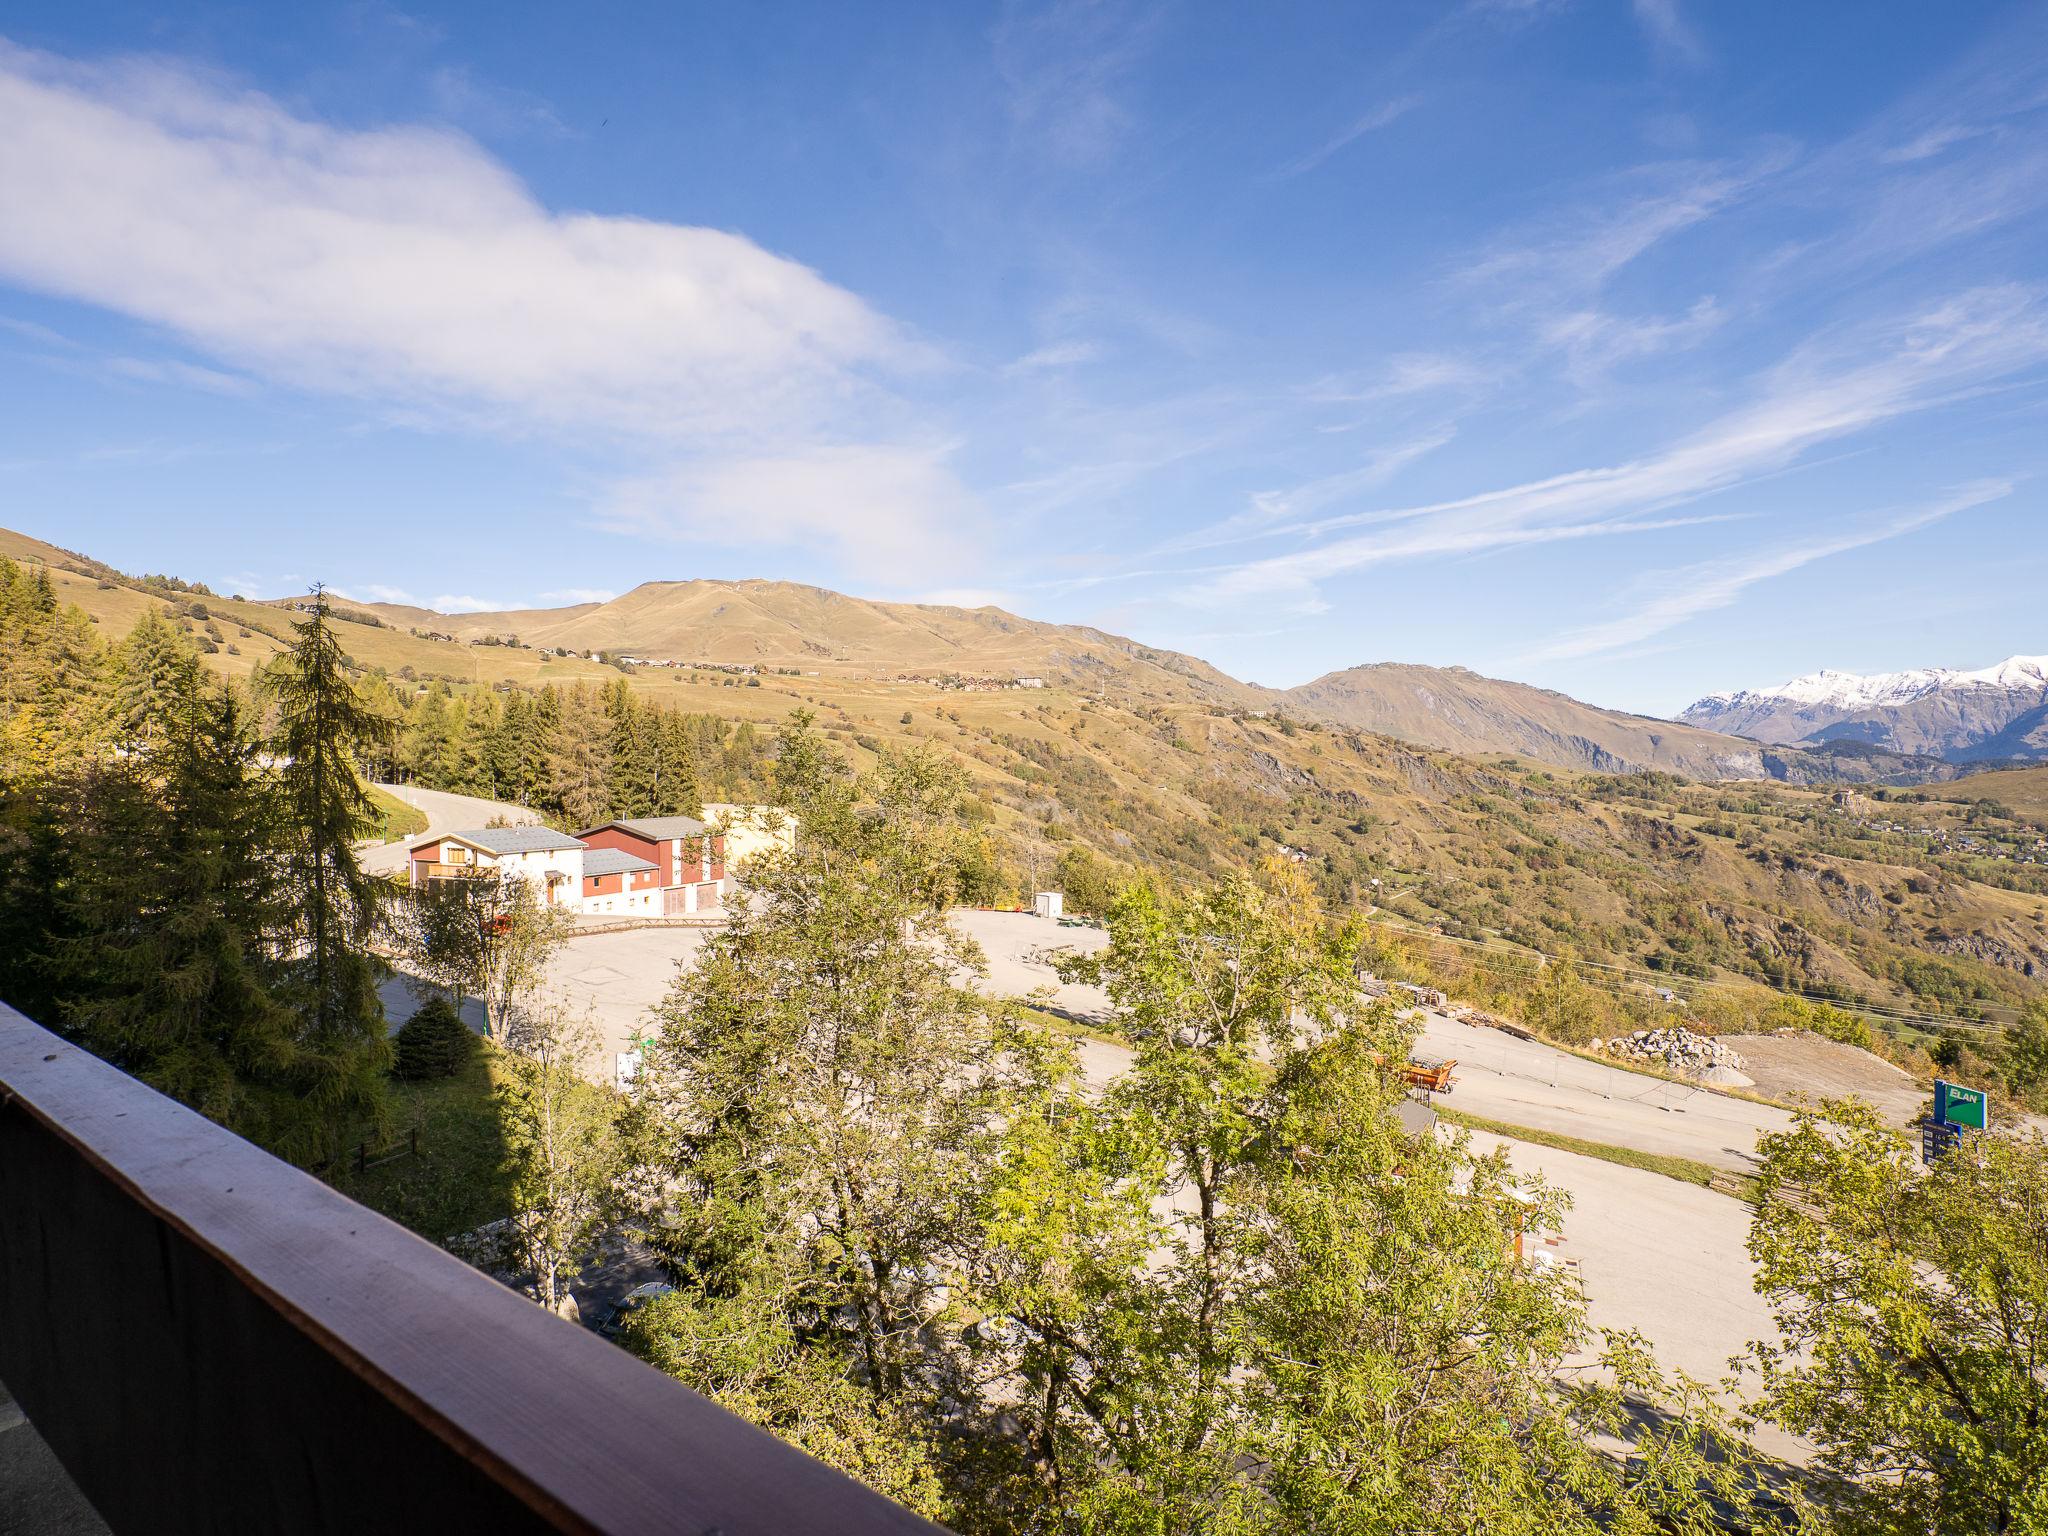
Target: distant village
(2018,848)
(960,682)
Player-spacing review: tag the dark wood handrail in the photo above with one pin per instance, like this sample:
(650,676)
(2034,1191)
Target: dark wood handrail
(212,1340)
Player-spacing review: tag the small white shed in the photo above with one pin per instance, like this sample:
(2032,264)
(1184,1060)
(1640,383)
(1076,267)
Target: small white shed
(1049,904)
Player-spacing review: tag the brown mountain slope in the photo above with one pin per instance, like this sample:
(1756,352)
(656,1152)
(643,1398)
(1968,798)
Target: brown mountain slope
(1461,711)
(787,624)
(778,624)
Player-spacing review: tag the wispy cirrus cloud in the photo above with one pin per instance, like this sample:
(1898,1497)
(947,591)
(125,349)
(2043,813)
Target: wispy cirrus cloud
(157,370)
(1295,503)
(1670,598)
(1594,341)
(355,592)
(1402,375)
(1384,115)
(1929,143)
(1670,34)
(1066,66)
(1053,356)
(1576,250)
(579,595)
(884,512)
(968,597)
(1825,392)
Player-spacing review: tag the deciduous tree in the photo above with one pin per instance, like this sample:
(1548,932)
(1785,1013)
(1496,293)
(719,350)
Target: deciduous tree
(1912,1307)
(559,1139)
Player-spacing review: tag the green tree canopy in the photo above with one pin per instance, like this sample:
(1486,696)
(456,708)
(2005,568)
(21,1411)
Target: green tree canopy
(1913,1308)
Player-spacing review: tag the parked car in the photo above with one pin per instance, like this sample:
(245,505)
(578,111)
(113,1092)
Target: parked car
(638,1297)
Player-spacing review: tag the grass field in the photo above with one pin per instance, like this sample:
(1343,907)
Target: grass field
(396,819)
(1685,1169)
(461,1178)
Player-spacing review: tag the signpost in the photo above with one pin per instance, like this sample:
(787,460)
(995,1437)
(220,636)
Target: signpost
(1956,1109)
(1967,1107)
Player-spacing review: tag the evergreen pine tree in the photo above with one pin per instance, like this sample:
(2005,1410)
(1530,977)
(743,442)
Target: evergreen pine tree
(509,753)
(322,722)
(537,745)
(579,768)
(158,681)
(633,751)
(675,768)
(176,903)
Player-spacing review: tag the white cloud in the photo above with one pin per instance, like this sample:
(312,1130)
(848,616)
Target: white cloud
(372,593)
(566,595)
(1670,33)
(407,265)
(462,603)
(1594,341)
(890,512)
(1058,354)
(1678,595)
(1819,395)
(1925,146)
(1381,116)
(968,597)
(152,370)
(1065,67)
(1575,251)
(1311,497)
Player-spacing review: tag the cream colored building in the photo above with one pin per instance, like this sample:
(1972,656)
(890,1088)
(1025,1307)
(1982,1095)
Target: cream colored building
(751,830)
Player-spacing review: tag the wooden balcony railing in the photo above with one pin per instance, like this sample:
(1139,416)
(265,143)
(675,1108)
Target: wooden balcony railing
(212,1340)
(432,869)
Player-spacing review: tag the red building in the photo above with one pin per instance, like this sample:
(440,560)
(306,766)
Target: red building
(617,881)
(688,859)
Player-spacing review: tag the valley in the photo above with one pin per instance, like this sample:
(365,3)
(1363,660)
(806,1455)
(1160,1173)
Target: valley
(1921,909)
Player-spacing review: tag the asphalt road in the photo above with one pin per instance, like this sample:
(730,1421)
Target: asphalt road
(445,813)
(1520,1082)
(1653,1253)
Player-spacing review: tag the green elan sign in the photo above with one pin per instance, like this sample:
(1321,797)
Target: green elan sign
(1955,1105)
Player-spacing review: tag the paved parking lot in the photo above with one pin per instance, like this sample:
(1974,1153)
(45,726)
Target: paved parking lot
(1653,1253)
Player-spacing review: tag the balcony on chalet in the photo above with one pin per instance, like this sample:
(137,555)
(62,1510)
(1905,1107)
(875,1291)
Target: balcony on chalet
(196,1337)
(433,869)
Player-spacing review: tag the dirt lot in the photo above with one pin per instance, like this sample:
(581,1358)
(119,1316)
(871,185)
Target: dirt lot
(1797,1065)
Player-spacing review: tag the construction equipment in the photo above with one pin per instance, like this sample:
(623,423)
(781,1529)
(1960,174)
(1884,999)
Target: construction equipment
(1427,1073)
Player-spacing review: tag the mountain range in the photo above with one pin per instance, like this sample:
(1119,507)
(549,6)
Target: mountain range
(1995,713)
(1828,729)
(779,623)
(787,624)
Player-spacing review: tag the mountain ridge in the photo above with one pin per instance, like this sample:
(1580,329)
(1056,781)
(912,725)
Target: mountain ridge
(797,627)
(1960,716)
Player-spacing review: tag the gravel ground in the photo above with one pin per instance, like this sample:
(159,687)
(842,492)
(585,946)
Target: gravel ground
(1018,948)
(1802,1065)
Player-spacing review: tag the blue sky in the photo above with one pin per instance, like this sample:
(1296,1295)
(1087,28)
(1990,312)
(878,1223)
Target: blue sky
(1633,349)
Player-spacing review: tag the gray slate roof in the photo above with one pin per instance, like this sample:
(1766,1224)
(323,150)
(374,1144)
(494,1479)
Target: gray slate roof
(516,839)
(612,861)
(657,827)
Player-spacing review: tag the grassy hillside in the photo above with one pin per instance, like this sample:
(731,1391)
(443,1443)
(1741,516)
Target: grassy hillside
(1461,711)
(1137,760)
(789,625)
(2024,790)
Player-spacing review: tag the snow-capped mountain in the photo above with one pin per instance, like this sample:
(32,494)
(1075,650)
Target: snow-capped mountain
(1995,712)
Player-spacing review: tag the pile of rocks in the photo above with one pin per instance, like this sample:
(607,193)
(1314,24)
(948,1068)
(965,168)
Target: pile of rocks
(1680,1050)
